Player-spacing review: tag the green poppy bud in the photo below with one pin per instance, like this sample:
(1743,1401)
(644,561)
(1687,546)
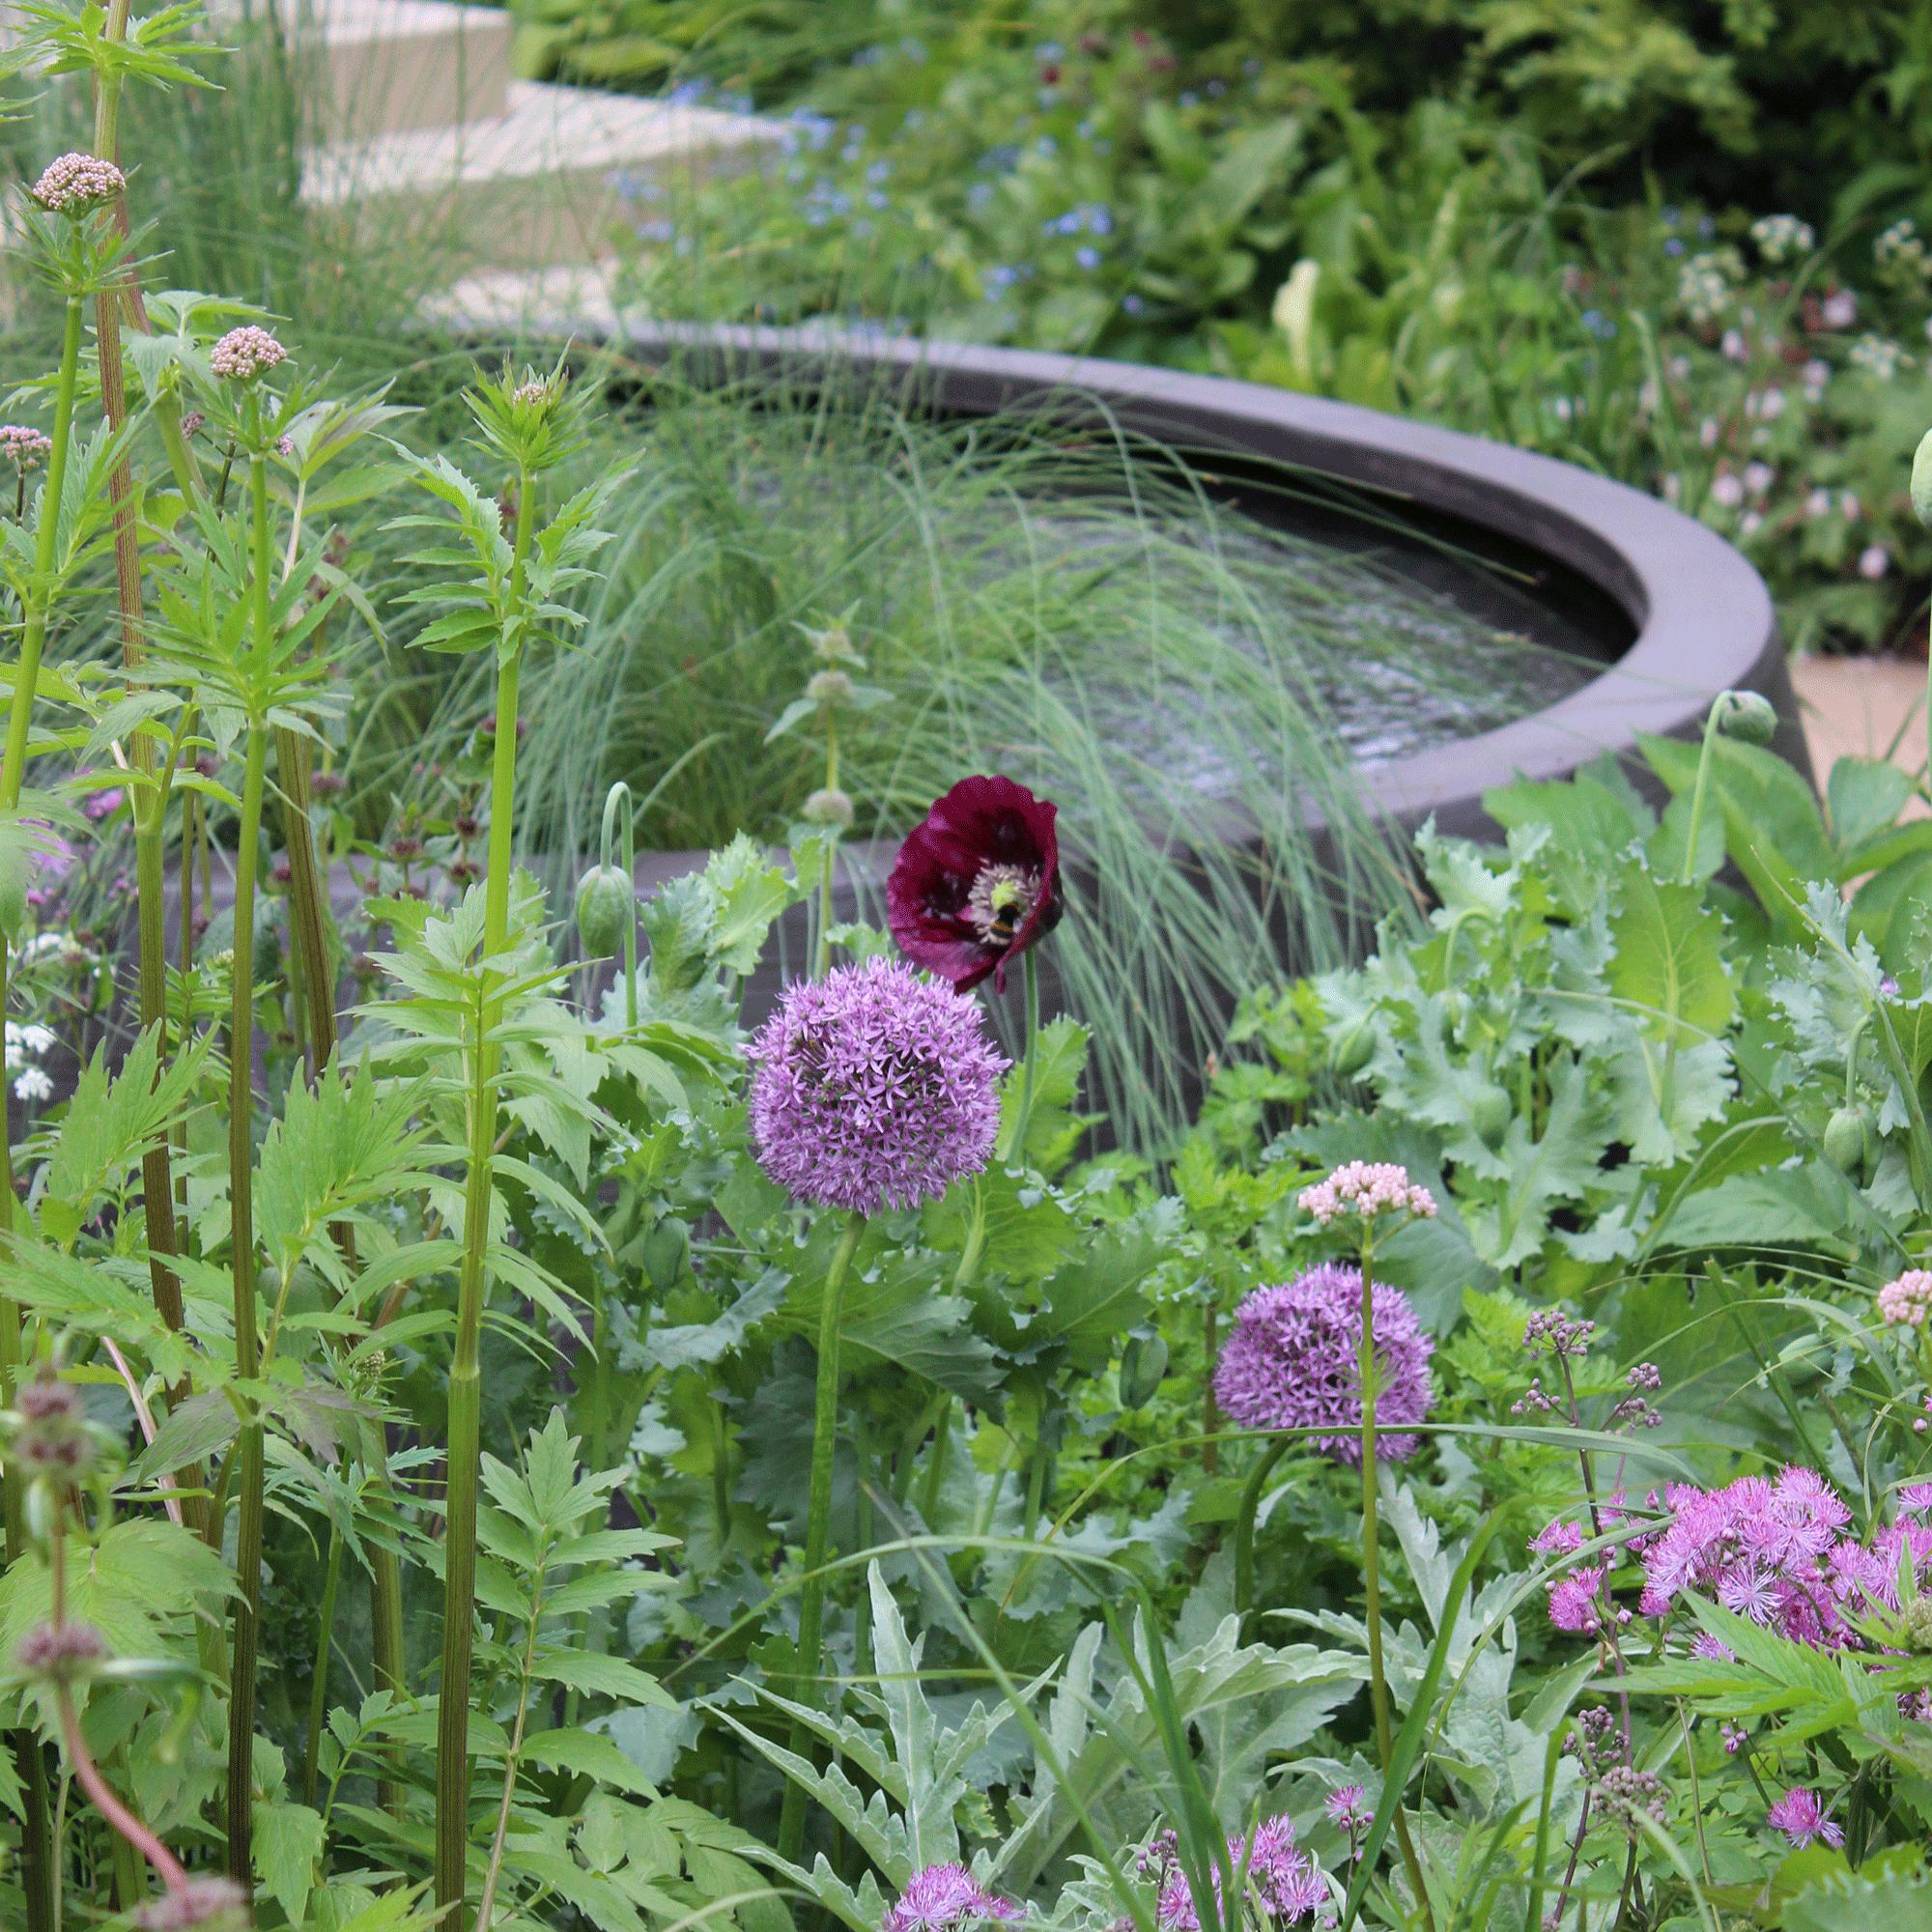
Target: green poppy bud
(1747,715)
(1491,1112)
(1142,1364)
(266,958)
(607,906)
(1921,480)
(1352,1050)
(1845,1138)
(12,889)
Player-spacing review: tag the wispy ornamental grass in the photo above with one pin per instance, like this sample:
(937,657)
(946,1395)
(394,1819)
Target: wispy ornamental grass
(1058,604)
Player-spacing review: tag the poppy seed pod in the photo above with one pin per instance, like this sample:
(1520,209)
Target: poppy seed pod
(607,903)
(1746,715)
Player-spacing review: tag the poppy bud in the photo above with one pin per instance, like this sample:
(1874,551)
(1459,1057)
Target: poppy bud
(1352,1050)
(607,906)
(1746,715)
(1921,480)
(12,889)
(1142,1364)
(1492,1113)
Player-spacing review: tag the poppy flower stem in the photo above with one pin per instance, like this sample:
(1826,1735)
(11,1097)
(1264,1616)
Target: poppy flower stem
(1023,1119)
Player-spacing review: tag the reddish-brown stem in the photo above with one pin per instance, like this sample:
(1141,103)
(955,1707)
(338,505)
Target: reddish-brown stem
(107,1805)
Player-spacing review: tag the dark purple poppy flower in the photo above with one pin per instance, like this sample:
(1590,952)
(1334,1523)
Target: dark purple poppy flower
(977,883)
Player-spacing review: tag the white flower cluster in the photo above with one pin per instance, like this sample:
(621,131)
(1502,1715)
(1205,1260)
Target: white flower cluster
(1878,355)
(25,1044)
(1781,235)
(1704,285)
(1900,255)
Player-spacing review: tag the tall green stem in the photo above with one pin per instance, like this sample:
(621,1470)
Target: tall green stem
(318,1696)
(1689,875)
(822,963)
(1023,1119)
(1365,1360)
(250,1471)
(466,1373)
(1244,1524)
(818,1524)
(37,1840)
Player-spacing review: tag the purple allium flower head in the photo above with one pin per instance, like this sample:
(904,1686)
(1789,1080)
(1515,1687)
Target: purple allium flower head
(1798,1815)
(942,1898)
(873,1085)
(72,183)
(244,354)
(1292,1362)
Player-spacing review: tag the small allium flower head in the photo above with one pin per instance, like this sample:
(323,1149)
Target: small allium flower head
(1907,1302)
(1798,1815)
(829,806)
(1291,1361)
(1366,1188)
(201,1904)
(245,353)
(976,882)
(64,1652)
(940,1898)
(873,1086)
(25,448)
(73,183)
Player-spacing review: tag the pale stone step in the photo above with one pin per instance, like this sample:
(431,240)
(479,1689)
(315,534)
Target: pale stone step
(398,65)
(544,183)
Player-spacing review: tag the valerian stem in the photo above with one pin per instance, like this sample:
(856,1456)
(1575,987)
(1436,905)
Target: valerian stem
(37,1840)
(466,1375)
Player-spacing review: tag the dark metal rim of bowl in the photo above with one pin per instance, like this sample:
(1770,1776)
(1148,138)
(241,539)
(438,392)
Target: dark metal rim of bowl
(1703,618)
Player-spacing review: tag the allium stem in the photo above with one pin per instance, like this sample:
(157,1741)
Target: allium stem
(818,1523)
(1245,1523)
(465,1371)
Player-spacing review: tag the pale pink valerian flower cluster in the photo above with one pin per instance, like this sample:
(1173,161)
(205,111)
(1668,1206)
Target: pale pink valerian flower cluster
(1366,1188)
(1771,1550)
(1800,1816)
(1907,1302)
(23,447)
(941,1898)
(244,352)
(1287,1880)
(72,183)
